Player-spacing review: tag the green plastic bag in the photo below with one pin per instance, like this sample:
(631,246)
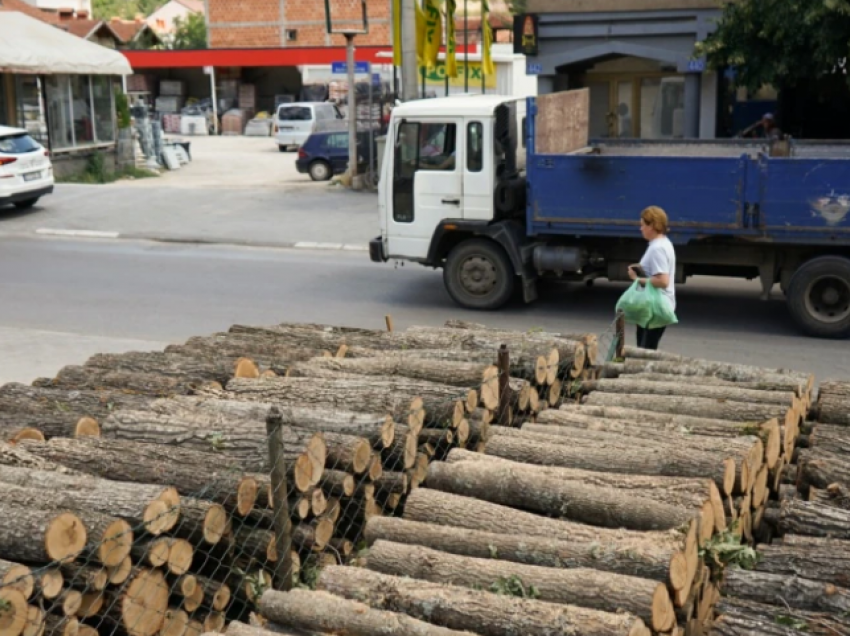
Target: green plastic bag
(646,307)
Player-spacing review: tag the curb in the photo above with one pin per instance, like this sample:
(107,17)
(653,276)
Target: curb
(295,245)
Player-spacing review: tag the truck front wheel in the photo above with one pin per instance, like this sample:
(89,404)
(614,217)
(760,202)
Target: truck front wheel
(479,275)
(819,297)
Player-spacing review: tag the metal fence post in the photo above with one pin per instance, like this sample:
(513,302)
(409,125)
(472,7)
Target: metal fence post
(621,335)
(282,575)
(504,364)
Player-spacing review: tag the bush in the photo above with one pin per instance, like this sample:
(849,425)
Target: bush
(122,109)
(97,173)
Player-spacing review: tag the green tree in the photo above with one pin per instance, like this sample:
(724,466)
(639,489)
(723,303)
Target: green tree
(190,33)
(782,43)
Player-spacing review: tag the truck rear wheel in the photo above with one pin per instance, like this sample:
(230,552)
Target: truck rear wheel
(479,275)
(819,297)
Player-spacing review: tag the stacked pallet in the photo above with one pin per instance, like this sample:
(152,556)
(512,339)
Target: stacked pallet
(155,465)
(610,515)
(800,584)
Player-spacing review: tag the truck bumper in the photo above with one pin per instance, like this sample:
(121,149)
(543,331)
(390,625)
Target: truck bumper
(376,250)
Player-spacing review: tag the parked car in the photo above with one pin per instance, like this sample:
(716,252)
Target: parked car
(326,154)
(26,173)
(295,122)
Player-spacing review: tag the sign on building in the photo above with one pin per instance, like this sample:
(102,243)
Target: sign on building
(526,35)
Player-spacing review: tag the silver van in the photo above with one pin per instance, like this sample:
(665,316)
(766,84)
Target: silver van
(295,122)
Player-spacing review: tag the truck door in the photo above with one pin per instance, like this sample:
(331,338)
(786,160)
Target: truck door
(427,183)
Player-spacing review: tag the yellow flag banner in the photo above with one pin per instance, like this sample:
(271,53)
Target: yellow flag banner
(433,32)
(420,33)
(396,32)
(451,44)
(487,43)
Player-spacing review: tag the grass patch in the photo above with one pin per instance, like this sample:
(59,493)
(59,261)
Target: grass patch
(97,173)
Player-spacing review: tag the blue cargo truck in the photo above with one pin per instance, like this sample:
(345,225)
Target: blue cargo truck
(477,186)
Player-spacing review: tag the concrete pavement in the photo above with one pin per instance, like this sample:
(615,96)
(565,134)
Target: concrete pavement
(108,296)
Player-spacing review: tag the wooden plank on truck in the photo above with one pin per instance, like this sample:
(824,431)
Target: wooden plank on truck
(563,122)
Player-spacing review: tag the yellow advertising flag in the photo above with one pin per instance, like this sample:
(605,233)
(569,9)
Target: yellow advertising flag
(396,32)
(420,33)
(451,44)
(433,32)
(487,43)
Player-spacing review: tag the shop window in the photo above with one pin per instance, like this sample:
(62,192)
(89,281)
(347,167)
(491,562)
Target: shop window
(104,120)
(59,111)
(80,109)
(29,110)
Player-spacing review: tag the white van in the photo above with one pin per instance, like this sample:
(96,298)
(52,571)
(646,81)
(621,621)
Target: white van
(295,122)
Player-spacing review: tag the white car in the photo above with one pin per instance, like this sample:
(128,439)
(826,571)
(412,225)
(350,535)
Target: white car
(26,173)
(295,122)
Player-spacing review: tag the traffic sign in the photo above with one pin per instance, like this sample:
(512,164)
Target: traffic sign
(341,68)
(533,69)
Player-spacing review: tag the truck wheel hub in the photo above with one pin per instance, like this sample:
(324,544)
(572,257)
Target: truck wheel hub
(478,275)
(828,299)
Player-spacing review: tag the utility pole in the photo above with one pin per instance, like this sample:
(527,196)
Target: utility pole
(409,63)
(352,107)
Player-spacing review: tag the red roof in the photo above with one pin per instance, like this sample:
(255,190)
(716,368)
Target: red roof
(27,9)
(126,30)
(81,27)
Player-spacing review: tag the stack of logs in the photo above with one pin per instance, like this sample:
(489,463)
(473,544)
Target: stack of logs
(137,495)
(613,514)
(801,583)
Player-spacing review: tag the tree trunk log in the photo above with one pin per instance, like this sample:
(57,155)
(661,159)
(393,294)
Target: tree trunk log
(56,412)
(696,367)
(401,455)
(834,495)
(56,625)
(236,628)
(16,576)
(834,439)
(690,389)
(814,519)
(140,606)
(462,609)
(583,587)
(748,617)
(822,469)
(638,416)
(834,410)
(775,589)
(202,522)
(141,504)
(320,611)
(191,472)
(694,406)
(642,558)
(826,564)
(338,483)
(834,388)
(348,453)
(768,383)
(192,368)
(529,489)
(671,460)
(39,535)
(94,379)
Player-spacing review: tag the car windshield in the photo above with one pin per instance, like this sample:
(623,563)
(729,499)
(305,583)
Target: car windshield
(18,144)
(294,113)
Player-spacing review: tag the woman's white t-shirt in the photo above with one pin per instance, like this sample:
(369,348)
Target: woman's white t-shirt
(660,258)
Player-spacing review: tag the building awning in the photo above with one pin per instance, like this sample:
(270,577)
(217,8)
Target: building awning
(30,46)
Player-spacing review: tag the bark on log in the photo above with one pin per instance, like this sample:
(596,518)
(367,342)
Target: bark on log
(85,577)
(93,379)
(348,453)
(827,564)
(462,609)
(266,354)
(748,617)
(831,438)
(320,611)
(237,439)
(401,454)
(583,587)
(191,472)
(678,491)
(767,383)
(833,495)
(814,519)
(338,483)
(691,367)
(202,522)
(834,410)
(640,558)
(669,460)
(56,625)
(785,590)
(642,417)
(528,489)
(690,389)
(141,504)
(834,388)
(193,368)
(822,469)
(237,628)
(694,406)
(14,455)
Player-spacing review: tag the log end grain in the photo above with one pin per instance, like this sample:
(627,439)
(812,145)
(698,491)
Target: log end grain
(115,543)
(28,434)
(50,583)
(19,577)
(144,604)
(679,571)
(216,524)
(246,495)
(245,368)
(175,624)
(157,518)
(65,537)
(87,427)
(119,574)
(13,616)
(70,602)
(35,622)
(180,556)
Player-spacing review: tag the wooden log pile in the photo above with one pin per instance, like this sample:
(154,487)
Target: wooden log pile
(146,474)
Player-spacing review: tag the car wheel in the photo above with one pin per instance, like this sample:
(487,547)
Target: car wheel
(479,275)
(819,297)
(320,171)
(26,204)
(281,148)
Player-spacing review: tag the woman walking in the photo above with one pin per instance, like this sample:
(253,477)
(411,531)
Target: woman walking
(659,268)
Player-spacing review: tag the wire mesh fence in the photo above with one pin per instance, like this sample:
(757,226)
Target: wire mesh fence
(144,514)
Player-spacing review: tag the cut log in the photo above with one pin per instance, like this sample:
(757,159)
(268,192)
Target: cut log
(216,594)
(39,535)
(834,410)
(242,440)
(151,552)
(671,460)
(694,406)
(739,617)
(13,612)
(391,483)
(814,519)
(91,604)
(678,491)
(401,454)
(119,574)
(532,490)
(56,625)
(829,563)
(766,383)
(35,621)
(17,576)
(832,495)
(690,367)
(588,413)
(176,622)
(202,522)
(140,504)
(790,591)
(822,469)
(690,389)
(348,453)
(320,611)
(830,438)
(85,577)
(81,378)
(236,628)
(338,483)
(140,606)
(463,609)
(645,559)
(188,367)
(313,535)
(191,472)
(68,602)
(214,623)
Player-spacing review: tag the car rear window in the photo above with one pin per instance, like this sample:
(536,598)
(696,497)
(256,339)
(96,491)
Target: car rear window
(295,113)
(18,144)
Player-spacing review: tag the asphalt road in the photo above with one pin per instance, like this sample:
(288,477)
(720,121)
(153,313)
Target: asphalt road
(63,300)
